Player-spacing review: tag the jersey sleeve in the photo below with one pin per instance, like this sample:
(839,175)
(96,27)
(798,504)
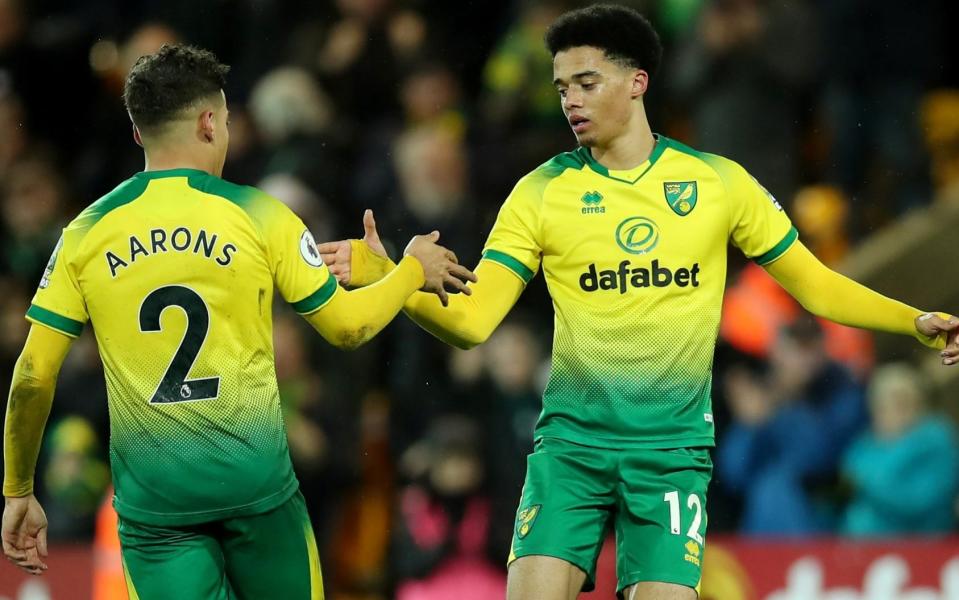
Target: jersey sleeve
(514,240)
(298,270)
(758,226)
(58,302)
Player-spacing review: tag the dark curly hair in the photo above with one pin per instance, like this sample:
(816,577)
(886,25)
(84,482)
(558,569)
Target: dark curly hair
(625,36)
(163,84)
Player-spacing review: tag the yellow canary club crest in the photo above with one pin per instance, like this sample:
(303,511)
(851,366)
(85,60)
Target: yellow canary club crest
(681,196)
(525,518)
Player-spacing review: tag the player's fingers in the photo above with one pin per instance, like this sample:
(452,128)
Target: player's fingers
(329,247)
(444,297)
(455,286)
(463,273)
(42,542)
(451,256)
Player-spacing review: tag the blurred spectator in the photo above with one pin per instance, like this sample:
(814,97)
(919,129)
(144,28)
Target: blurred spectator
(789,430)
(940,117)
(360,53)
(430,95)
(755,307)
(13,131)
(522,121)
(876,155)
(294,118)
(514,363)
(74,479)
(742,73)
(315,426)
(441,539)
(903,472)
(33,198)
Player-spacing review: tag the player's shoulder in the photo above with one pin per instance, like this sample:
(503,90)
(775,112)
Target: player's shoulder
(536,181)
(729,171)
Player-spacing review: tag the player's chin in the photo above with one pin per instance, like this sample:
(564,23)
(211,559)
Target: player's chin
(585,139)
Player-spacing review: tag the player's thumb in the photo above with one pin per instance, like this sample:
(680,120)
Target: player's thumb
(369,223)
(434,236)
(42,542)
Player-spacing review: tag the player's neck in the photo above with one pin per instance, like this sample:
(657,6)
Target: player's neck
(163,159)
(628,150)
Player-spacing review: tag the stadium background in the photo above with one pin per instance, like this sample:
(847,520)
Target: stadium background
(410,454)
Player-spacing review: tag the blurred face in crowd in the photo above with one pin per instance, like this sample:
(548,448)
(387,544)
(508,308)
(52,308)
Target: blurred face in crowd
(795,362)
(599,95)
(896,405)
(33,198)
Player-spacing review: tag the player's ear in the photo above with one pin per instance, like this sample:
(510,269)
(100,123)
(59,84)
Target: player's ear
(640,83)
(206,126)
(136,136)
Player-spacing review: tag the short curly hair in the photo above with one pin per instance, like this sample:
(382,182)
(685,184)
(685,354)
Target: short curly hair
(162,85)
(625,36)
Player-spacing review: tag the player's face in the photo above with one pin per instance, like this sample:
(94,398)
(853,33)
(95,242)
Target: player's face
(596,94)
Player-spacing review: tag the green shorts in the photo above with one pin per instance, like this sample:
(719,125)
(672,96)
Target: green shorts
(271,555)
(654,500)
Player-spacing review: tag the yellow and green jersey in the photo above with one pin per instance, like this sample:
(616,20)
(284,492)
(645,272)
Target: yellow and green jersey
(176,271)
(635,262)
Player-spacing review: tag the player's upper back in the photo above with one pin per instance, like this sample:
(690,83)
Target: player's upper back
(176,270)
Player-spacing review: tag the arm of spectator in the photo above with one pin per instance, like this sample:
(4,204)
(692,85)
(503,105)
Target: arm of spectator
(830,295)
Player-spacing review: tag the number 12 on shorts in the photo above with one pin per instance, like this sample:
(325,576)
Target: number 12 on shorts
(692,503)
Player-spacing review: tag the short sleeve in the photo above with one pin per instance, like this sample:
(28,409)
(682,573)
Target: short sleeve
(298,270)
(759,225)
(58,302)
(514,240)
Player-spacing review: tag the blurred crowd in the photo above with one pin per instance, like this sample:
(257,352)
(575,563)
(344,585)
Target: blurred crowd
(412,454)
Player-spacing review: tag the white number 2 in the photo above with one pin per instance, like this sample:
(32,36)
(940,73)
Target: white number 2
(692,503)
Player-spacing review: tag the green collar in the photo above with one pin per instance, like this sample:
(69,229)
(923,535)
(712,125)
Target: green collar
(171,173)
(662,142)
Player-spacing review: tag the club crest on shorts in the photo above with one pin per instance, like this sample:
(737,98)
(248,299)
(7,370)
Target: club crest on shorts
(681,196)
(525,518)
(308,250)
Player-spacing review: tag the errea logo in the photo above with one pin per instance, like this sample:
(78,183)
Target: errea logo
(591,201)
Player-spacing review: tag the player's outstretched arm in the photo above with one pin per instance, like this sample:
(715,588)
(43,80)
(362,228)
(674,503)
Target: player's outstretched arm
(467,320)
(830,295)
(350,319)
(24,528)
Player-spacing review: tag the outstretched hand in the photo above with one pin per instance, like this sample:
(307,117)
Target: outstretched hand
(24,534)
(337,255)
(444,275)
(935,327)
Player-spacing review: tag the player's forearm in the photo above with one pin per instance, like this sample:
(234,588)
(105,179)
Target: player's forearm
(28,406)
(468,320)
(352,318)
(830,295)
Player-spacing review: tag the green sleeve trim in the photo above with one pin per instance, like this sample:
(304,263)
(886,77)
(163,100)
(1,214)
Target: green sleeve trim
(779,249)
(521,270)
(317,299)
(55,321)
